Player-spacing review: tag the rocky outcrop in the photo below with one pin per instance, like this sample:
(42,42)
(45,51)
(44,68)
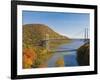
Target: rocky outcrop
(83,55)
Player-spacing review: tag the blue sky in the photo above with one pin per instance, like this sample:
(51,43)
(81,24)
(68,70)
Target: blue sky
(68,24)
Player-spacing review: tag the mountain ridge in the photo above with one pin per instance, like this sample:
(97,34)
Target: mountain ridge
(33,33)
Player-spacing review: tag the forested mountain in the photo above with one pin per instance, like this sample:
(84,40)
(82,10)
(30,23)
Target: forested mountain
(33,33)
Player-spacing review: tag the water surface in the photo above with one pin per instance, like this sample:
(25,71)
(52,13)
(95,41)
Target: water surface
(68,53)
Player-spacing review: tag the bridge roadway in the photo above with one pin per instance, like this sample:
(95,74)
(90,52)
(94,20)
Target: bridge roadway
(62,50)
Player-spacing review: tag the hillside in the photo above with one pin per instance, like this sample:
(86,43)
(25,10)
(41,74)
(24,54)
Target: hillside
(33,33)
(35,53)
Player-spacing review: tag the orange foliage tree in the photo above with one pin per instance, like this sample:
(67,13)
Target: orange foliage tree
(29,57)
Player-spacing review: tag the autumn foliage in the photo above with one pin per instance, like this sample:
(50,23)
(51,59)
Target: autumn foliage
(29,57)
(35,54)
(60,62)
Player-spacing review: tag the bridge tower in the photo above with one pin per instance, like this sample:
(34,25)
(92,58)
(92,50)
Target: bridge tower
(86,34)
(47,41)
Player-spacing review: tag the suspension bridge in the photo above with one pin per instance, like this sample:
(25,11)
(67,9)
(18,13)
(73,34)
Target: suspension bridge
(46,41)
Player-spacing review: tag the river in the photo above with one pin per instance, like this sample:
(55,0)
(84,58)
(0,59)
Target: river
(68,56)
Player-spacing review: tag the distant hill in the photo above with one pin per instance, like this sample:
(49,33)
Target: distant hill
(33,33)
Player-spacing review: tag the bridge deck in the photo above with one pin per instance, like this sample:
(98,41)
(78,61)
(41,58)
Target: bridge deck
(63,50)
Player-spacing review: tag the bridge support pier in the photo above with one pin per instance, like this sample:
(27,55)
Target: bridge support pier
(47,42)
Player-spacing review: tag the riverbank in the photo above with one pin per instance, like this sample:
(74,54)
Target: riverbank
(83,54)
(49,54)
(66,58)
(42,55)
